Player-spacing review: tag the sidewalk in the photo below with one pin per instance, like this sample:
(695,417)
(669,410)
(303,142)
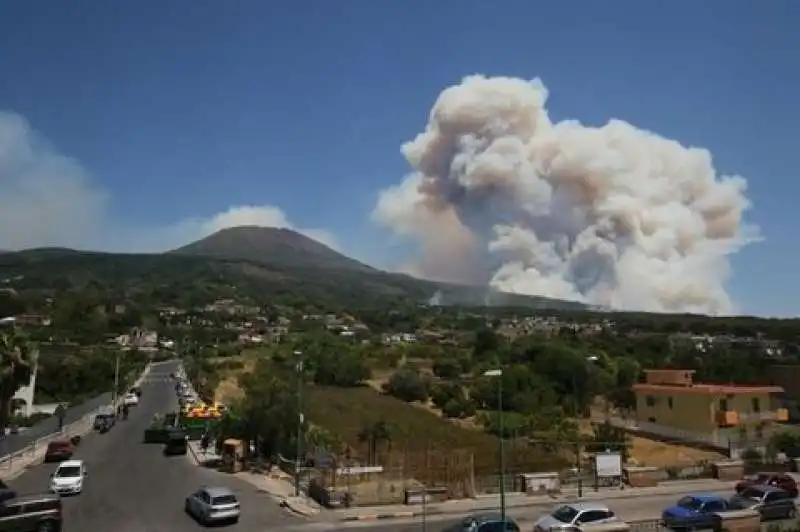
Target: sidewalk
(520,500)
(207,458)
(276,484)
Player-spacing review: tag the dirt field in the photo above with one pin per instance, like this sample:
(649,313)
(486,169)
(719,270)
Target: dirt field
(657,454)
(644,452)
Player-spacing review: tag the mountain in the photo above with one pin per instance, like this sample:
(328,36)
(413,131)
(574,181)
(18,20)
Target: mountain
(249,264)
(267,245)
(305,257)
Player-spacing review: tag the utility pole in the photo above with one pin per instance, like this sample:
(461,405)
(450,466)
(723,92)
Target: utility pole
(116,380)
(579,467)
(498,374)
(502,452)
(299,371)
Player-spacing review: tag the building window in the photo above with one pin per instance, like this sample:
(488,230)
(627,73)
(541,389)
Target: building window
(760,432)
(756,405)
(669,402)
(650,400)
(723,405)
(651,420)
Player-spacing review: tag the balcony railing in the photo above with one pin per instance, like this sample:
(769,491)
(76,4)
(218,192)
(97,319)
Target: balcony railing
(780,414)
(727,418)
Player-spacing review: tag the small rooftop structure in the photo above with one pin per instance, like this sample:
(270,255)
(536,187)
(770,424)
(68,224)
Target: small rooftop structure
(682,381)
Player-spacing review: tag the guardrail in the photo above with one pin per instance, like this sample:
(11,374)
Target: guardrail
(13,443)
(13,464)
(649,525)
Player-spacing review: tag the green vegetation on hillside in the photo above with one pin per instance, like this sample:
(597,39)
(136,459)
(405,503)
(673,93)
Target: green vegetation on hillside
(78,375)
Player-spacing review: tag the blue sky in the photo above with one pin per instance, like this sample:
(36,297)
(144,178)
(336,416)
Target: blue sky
(165,114)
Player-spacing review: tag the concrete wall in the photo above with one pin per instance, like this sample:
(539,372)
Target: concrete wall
(676,413)
(26,394)
(683,411)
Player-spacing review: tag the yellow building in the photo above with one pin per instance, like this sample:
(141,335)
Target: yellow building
(731,417)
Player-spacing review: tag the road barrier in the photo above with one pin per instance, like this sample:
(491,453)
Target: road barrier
(15,464)
(649,525)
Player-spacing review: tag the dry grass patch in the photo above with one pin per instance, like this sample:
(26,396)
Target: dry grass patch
(228,388)
(658,454)
(346,412)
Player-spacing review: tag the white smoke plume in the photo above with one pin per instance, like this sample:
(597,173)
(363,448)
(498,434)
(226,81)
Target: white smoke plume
(613,216)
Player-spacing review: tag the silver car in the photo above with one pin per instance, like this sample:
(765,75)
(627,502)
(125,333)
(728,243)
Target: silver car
(213,505)
(571,516)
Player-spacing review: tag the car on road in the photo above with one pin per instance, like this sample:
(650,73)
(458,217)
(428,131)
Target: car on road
(485,522)
(177,442)
(777,480)
(131,399)
(32,513)
(769,501)
(68,478)
(58,451)
(571,516)
(694,512)
(137,390)
(103,422)
(212,505)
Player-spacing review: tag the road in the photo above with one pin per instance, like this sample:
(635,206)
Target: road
(133,487)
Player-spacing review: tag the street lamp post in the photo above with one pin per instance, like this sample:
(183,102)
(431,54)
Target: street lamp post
(299,371)
(578,451)
(498,373)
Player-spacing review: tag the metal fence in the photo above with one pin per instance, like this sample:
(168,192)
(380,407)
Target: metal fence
(13,443)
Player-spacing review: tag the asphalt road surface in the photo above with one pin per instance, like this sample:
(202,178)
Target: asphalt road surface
(133,487)
(442,526)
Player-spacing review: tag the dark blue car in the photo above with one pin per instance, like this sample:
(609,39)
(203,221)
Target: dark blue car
(695,511)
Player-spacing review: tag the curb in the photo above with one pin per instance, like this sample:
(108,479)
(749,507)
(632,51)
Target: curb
(377,517)
(285,502)
(612,495)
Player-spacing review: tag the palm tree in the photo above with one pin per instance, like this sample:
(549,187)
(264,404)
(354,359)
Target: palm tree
(17,364)
(374,434)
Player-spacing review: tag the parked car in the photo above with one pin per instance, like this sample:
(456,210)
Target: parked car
(137,390)
(58,451)
(695,512)
(776,480)
(575,515)
(213,505)
(32,513)
(103,422)
(769,501)
(130,399)
(488,522)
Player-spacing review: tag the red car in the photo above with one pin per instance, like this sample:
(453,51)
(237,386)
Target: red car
(58,451)
(777,480)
